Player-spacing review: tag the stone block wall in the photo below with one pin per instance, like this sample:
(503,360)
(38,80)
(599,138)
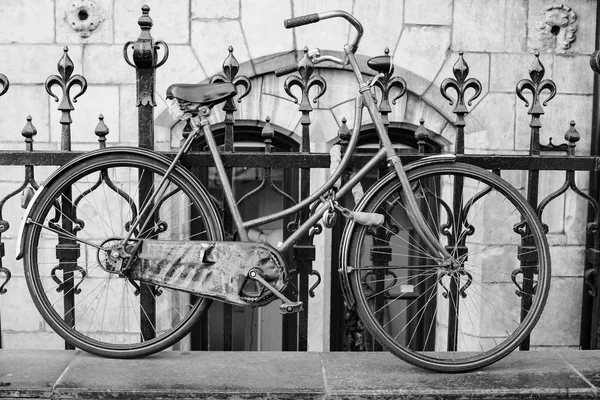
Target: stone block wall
(498,40)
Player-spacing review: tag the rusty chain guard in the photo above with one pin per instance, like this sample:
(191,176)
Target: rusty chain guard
(217,270)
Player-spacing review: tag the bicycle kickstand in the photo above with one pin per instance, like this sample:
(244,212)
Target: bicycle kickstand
(288,306)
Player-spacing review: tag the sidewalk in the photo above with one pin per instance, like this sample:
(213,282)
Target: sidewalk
(269,375)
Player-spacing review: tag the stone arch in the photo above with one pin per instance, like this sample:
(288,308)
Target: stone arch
(268,98)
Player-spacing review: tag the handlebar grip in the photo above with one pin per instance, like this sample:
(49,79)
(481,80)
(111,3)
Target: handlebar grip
(286,70)
(302,20)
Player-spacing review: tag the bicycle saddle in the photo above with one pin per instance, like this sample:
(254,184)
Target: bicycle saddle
(203,93)
(381,64)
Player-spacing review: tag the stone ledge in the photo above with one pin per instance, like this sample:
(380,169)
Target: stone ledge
(290,375)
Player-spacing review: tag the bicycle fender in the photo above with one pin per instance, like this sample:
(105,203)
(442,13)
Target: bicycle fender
(25,219)
(345,269)
(124,151)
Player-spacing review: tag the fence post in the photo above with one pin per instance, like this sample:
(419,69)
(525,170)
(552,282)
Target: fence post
(459,84)
(386,84)
(27,187)
(145,62)
(67,250)
(231,67)
(590,327)
(535,85)
(304,250)
(3,224)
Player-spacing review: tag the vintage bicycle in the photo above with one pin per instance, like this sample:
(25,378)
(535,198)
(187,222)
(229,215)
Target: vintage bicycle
(446,263)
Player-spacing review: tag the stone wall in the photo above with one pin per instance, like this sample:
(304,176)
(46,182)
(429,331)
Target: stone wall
(498,39)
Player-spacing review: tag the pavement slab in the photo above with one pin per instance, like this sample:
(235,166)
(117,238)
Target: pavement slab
(520,375)
(586,363)
(55,374)
(30,373)
(206,375)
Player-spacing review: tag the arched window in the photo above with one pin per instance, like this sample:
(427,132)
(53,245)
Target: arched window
(346,332)
(252,328)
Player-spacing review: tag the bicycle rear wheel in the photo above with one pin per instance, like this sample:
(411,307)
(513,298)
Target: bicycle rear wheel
(85,210)
(449,316)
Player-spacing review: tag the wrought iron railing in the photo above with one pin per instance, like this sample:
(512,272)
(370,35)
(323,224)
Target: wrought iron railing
(146,58)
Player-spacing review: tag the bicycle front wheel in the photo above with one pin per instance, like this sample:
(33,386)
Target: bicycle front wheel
(84,211)
(442,315)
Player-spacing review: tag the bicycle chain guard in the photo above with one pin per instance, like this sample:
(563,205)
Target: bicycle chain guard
(218,270)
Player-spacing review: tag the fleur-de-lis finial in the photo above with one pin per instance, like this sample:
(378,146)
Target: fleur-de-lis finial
(305,82)
(460,84)
(65,82)
(386,84)
(231,67)
(5,84)
(595,61)
(5,271)
(536,85)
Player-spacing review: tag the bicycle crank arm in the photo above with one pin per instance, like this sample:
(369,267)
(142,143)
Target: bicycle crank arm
(288,306)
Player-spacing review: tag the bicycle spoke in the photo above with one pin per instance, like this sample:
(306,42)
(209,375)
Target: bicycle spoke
(108,314)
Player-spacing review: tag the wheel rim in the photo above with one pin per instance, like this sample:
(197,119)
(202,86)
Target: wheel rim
(401,293)
(110,318)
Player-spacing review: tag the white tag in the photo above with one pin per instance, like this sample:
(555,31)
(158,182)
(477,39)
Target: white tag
(407,288)
(175,109)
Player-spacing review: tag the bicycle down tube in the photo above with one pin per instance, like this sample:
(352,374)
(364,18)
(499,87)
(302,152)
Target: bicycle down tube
(364,100)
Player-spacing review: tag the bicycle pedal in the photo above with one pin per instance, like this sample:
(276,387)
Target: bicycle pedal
(290,308)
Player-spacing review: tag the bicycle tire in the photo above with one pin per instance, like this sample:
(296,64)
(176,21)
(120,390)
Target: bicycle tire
(108,315)
(433,315)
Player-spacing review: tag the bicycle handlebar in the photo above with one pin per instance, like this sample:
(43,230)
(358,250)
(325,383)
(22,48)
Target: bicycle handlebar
(286,70)
(303,20)
(312,18)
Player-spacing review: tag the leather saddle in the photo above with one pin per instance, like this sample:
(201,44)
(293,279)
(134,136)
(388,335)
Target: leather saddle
(203,94)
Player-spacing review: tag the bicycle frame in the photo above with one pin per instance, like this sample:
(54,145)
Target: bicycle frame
(314,218)
(365,99)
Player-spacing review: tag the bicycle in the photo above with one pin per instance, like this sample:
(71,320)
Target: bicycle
(446,263)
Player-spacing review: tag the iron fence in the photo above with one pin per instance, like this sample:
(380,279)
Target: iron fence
(146,55)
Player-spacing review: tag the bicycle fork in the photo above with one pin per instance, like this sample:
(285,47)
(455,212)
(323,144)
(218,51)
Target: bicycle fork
(413,212)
